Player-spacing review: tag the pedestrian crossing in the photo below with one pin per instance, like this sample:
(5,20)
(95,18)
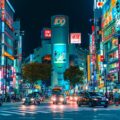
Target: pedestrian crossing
(25,110)
(20,112)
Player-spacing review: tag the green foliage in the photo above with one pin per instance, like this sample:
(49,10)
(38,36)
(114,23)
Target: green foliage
(74,75)
(36,71)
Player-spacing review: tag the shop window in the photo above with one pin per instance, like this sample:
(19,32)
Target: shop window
(114,43)
(109,46)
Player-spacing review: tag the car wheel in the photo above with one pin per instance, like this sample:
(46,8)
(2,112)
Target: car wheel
(79,104)
(64,103)
(105,106)
(0,104)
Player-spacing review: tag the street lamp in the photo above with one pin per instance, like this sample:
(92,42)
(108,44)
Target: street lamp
(105,77)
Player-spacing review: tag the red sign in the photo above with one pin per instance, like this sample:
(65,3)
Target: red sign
(100,4)
(75,38)
(47,33)
(2,4)
(101,58)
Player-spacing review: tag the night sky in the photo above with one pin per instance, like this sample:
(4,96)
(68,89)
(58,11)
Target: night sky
(36,14)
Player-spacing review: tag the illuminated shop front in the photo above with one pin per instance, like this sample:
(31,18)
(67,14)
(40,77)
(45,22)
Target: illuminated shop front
(7,38)
(110,43)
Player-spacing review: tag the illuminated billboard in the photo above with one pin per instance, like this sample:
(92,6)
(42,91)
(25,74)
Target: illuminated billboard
(109,12)
(59,21)
(47,33)
(99,4)
(59,53)
(75,38)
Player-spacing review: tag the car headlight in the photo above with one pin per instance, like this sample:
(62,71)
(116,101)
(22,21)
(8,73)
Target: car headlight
(23,99)
(76,98)
(107,99)
(61,99)
(95,99)
(71,98)
(53,99)
(32,99)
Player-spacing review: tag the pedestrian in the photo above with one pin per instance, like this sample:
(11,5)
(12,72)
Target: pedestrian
(116,98)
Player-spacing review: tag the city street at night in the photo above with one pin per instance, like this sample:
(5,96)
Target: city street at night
(60,60)
(46,111)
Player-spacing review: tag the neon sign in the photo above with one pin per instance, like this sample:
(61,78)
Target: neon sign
(59,21)
(47,33)
(75,38)
(108,12)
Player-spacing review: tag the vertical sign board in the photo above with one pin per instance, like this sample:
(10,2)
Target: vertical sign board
(75,38)
(88,67)
(119,65)
(2,6)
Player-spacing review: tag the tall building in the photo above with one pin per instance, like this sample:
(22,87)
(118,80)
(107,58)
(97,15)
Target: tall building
(8,71)
(106,13)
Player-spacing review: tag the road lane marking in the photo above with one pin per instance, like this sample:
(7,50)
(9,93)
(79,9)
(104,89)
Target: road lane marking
(62,118)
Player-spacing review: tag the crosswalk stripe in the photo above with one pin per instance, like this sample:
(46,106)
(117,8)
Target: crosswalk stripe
(24,111)
(12,112)
(43,111)
(3,114)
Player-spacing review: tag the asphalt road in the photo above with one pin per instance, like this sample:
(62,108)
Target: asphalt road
(47,111)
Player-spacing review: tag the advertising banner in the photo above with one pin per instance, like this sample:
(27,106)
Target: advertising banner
(59,53)
(59,21)
(119,65)
(88,64)
(75,38)
(98,4)
(46,34)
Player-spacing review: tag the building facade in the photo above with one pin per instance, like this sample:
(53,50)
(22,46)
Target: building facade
(9,68)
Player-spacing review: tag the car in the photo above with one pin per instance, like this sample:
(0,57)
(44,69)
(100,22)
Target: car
(58,98)
(32,99)
(1,100)
(92,99)
(72,98)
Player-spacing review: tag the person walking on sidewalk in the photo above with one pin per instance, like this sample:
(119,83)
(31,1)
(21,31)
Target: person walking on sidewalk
(116,98)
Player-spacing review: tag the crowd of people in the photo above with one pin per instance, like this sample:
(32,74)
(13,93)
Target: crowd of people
(10,97)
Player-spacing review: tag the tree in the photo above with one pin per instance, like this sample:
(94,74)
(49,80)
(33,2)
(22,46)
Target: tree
(33,72)
(74,75)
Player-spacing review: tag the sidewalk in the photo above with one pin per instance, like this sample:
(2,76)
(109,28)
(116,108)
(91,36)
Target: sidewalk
(19,103)
(11,103)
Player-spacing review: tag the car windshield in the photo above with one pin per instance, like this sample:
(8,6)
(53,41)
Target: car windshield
(33,95)
(95,94)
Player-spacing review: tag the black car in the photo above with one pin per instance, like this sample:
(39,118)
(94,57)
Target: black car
(92,99)
(1,100)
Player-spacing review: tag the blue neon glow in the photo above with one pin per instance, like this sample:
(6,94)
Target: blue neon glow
(10,6)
